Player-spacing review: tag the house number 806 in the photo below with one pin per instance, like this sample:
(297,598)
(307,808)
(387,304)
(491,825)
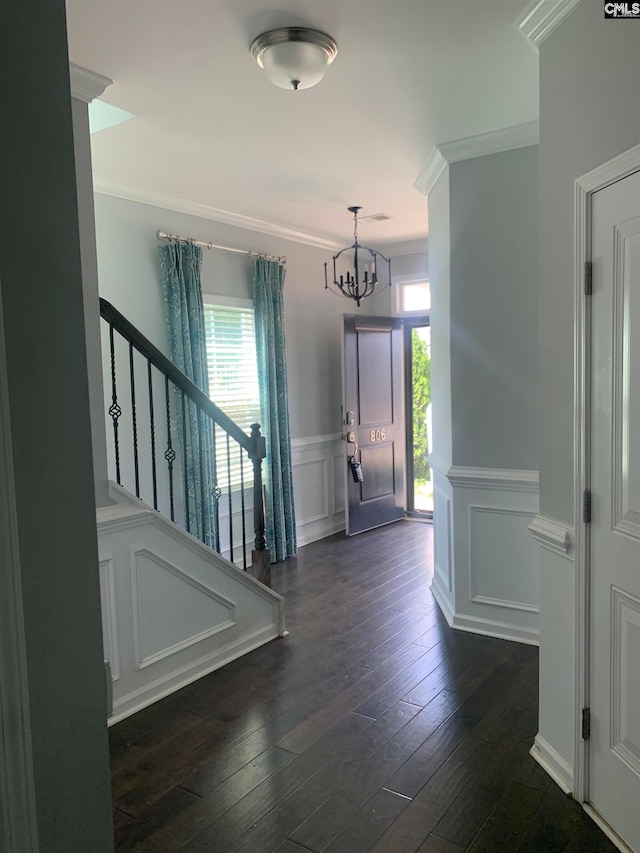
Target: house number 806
(378,434)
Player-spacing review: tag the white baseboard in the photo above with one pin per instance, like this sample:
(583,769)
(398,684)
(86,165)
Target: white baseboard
(494,628)
(608,830)
(441,595)
(138,699)
(553,764)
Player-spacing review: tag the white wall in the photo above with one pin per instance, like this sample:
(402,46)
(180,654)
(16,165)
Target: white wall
(483,271)
(589,112)
(129,278)
(494,317)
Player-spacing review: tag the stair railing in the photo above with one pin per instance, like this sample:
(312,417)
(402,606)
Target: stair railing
(146,456)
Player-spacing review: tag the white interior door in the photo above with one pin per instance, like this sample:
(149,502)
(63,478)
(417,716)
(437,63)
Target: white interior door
(614,749)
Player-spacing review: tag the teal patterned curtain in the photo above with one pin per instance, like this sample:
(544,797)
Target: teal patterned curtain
(180,264)
(268,284)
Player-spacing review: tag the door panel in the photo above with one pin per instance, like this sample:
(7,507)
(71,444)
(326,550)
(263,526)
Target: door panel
(373,401)
(615,529)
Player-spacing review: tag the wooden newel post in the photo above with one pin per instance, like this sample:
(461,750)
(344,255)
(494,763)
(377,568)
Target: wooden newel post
(261,556)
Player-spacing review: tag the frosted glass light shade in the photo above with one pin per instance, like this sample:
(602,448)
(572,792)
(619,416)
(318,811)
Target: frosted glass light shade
(294,57)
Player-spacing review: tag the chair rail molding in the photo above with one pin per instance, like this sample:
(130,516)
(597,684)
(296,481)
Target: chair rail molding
(505,479)
(552,535)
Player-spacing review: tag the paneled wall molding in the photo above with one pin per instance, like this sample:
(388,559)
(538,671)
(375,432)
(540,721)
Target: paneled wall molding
(319,464)
(552,535)
(480,145)
(541,18)
(553,764)
(505,479)
(167,201)
(86,85)
(173,609)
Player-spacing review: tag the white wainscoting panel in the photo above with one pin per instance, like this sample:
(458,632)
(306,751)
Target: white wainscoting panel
(173,609)
(318,484)
(443,583)
(442,538)
(494,560)
(109,616)
(199,611)
(494,532)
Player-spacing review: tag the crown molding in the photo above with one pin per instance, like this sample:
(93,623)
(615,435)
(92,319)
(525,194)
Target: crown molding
(541,18)
(416,246)
(479,145)
(435,166)
(166,201)
(86,85)
(494,142)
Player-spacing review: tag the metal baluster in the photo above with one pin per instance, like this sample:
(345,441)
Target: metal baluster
(134,422)
(152,426)
(217,491)
(203,536)
(114,409)
(169,453)
(184,463)
(230,499)
(244,521)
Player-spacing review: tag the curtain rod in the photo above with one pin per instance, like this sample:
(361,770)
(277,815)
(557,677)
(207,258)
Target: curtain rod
(164,235)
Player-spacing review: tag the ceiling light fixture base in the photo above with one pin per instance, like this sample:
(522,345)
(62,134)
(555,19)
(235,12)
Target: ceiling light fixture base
(294,57)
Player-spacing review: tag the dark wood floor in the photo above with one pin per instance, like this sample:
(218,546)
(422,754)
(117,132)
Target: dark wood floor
(373,726)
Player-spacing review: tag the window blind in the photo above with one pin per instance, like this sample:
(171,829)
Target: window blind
(233,381)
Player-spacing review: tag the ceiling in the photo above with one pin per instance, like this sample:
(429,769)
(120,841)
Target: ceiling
(210,130)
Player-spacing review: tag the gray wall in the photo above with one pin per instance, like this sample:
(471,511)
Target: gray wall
(84,184)
(589,113)
(128,273)
(42,303)
(439,276)
(494,318)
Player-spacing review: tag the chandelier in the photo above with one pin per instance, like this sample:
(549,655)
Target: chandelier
(361,276)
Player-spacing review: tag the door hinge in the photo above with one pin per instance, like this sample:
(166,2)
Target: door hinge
(588,278)
(586,507)
(586,723)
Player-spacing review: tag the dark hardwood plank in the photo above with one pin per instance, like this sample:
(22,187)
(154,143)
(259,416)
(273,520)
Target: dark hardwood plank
(372,726)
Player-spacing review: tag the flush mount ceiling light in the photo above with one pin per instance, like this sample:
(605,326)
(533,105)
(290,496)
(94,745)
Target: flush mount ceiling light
(360,278)
(294,57)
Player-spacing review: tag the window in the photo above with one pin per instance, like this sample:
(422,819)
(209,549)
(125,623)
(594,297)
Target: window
(233,378)
(412,297)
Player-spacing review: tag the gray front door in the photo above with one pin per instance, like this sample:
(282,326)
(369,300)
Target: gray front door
(374,422)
